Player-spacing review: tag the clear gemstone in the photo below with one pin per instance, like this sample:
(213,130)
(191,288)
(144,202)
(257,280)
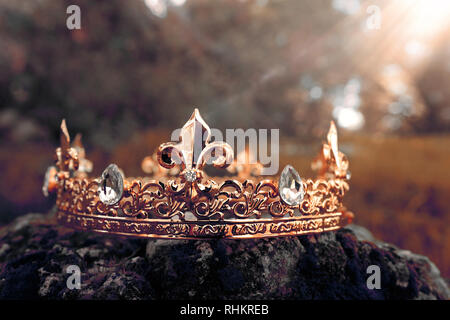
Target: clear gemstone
(290,186)
(110,189)
(190,175)
(189,216)
(348,176)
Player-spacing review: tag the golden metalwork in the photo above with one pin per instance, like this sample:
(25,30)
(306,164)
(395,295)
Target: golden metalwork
(331,163)
(85,166)
(187,204)
(66,156)
(246,165)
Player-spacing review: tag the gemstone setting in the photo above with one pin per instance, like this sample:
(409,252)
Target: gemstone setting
(110,189)
(190,175)
(290,186)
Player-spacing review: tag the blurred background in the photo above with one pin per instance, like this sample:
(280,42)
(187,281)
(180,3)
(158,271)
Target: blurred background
(136,68)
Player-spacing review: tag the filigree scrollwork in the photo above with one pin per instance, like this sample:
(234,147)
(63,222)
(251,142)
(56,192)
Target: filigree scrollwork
(322,196)
(240,200)
(207,201)
(139,198)
(84,195)
(248,199)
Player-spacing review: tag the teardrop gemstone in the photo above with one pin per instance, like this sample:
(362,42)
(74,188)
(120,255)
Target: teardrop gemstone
(290,186)
(110,189)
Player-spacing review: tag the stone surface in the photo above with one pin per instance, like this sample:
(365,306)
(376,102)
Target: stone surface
(34,255)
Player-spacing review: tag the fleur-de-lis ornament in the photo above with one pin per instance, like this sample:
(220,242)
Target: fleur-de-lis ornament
(194,150)
(332,139)
(332,162)
(85,165)
(67,163)
(66,156)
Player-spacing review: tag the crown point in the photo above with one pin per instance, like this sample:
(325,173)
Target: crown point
(196,115)
(195,120)
(332,129)
(64,138)
(63,125)
(77,141)
(332,138)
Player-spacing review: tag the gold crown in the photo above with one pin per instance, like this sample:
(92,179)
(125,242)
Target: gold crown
(178,200)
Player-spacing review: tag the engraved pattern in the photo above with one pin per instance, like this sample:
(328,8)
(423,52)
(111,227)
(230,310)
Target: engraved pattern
(230,209)
(251,228)
(195,230)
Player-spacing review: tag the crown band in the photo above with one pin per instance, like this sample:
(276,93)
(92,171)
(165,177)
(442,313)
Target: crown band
(187,204)
(230,229)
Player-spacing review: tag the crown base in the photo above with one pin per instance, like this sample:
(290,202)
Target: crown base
(207,229)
